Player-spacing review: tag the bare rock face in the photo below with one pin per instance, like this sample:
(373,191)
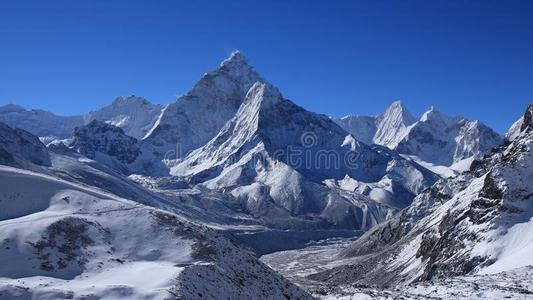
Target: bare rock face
(527,123)
(110,146)
(98,137)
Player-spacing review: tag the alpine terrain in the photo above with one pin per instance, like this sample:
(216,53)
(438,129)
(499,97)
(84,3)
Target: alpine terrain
(234,191)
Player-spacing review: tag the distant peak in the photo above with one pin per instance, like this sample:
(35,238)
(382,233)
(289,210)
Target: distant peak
(398,111)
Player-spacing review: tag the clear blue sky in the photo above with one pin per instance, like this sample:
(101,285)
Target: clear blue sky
(335,57)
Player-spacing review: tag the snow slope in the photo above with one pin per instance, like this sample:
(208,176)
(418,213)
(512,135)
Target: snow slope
(61,240)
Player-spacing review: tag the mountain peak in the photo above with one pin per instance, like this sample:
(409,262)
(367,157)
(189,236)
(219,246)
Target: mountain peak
(237,64)
(234,72)
(236,57)
(392,124)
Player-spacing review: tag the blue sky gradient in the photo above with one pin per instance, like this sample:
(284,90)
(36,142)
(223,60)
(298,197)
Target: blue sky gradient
(473,58)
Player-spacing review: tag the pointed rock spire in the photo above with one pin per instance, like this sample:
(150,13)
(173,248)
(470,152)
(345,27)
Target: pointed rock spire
(393,124)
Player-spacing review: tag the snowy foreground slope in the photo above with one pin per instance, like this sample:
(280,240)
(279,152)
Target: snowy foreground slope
(473,231)
(61,240)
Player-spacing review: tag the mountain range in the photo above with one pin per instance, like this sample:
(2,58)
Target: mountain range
(195,191)
(435,139)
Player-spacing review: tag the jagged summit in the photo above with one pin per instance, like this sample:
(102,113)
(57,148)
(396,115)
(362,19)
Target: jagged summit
(392,124)
(236,58)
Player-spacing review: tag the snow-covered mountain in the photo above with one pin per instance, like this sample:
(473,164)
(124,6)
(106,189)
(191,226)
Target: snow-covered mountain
(198,116)
(39,122)
(445,140)
(180,193)
(434,140)
(110,146)
(477,223)
(386,129)
(135,115)
(294,168)
(393,125)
